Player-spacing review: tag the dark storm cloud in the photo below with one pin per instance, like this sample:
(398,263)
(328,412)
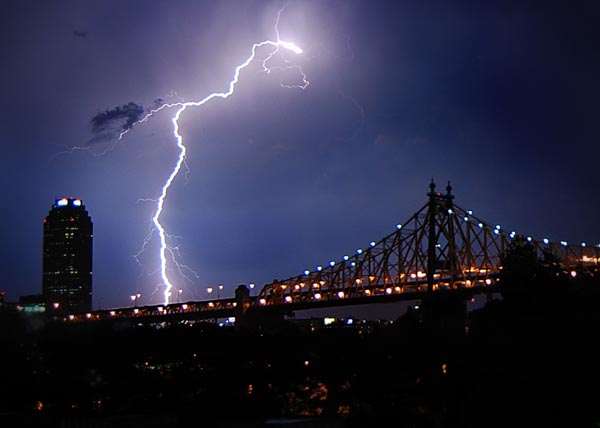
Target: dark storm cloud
(157,103)
(118,119)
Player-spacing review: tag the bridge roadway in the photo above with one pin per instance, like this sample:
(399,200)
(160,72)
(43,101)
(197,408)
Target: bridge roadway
(232,307)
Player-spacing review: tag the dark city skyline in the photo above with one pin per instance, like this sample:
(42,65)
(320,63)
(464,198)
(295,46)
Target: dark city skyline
(315,154)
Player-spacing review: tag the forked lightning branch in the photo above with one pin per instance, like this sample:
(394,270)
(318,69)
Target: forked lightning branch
(276,48)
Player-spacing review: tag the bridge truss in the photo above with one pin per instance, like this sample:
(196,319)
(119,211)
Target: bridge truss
(442,246)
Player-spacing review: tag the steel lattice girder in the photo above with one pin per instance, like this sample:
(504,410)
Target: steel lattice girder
(441,244)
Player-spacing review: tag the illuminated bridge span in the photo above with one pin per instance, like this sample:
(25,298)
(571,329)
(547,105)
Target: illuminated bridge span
(441,247)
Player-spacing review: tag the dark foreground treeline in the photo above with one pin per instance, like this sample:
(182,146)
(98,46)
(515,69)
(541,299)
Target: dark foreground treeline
(528,359)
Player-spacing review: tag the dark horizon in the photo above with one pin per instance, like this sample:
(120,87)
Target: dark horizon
(437,364)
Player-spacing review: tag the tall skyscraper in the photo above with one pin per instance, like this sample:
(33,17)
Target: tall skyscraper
(67,259)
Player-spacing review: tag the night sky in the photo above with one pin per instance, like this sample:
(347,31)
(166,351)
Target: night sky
(501,98)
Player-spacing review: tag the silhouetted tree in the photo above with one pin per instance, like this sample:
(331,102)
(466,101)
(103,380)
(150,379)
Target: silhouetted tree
(528,279)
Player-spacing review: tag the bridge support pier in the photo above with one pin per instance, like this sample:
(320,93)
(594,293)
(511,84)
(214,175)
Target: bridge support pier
(242,303)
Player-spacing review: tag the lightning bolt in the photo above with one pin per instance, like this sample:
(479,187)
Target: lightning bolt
(166,252)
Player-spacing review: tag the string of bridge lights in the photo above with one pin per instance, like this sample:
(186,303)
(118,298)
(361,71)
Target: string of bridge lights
(467,218)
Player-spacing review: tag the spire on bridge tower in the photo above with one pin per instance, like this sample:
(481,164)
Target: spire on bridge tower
(449,195)
(431,193)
